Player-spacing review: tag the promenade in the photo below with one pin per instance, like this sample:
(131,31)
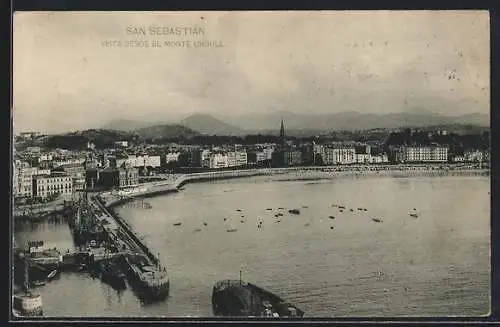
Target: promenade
(173,182)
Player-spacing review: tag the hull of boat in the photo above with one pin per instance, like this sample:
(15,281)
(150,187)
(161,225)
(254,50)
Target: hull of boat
(237,299)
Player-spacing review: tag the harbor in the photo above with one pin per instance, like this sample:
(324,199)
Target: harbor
(109,249)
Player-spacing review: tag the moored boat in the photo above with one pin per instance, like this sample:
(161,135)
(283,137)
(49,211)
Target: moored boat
(238,298)
(151,282)
(112,274)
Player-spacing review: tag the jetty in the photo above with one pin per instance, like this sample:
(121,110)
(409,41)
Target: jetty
(105,237)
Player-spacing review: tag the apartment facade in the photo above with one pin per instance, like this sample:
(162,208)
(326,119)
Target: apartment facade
(23,178)
(57,183)
(422,154)
(338,155)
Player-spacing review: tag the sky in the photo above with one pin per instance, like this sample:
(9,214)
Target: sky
(71,73)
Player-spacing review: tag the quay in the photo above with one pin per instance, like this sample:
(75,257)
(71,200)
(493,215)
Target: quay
(116,243)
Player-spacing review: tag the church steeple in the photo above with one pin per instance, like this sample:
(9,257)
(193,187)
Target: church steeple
(282,135)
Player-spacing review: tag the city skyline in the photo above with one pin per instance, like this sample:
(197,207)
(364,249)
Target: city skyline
(65,79)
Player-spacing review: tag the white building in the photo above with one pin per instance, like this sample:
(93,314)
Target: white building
(382,158)
(205,158)
(218,160)
(172,157)
(24,178)
(424,154)
(237,158)
(69,162)
(140,161)
(473,156)
(45,157)
(333,155)
(123,144)
(363,158)
(57,183)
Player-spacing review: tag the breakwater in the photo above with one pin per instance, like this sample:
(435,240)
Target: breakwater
(112,215)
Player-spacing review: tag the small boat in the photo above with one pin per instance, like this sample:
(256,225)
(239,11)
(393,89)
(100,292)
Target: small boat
(177,224)
(294,211)
(365,209)
(331,227)
(242,221)
(225,219)
(334,205)
(305,207)
(378,220)
(341,207)
(230,230)
(269,209)
(331,217)
(352,210)
(196,230)
(52,274)
(414,215)
(239,210)
(276,215)
(278,221)
(205,224)
(280,214)
(280,208)
(307,224)
(341,210)
(360,209)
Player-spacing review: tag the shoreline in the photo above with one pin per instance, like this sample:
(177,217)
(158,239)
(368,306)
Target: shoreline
(176,183)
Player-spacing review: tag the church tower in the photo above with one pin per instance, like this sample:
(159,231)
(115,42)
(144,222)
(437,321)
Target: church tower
(282,136)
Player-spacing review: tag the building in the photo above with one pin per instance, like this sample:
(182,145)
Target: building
(172,157)
(379,158)
(57,183)
(122,144)
(92,177)
(335,155)
(128,176)
(24,178)
(77,173)
(473,156)
(237,158)
(140,161)
(200,158)
(29,135)
(283,155)
(108,178)
(292,157)
(421,154)
(218,160)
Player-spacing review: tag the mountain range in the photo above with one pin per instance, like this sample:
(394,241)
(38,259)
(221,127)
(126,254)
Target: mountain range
(299,124)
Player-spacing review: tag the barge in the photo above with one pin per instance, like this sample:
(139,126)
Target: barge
(235,298)
(151,281)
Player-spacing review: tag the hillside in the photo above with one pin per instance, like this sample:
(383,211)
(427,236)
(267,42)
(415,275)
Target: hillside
(166,132)
(209,125)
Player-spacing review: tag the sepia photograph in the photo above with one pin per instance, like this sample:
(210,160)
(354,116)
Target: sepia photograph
(250,164)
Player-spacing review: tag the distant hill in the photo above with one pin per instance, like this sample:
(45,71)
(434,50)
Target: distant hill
(125,125)
(351,121)
(298,124)
(102,138)
(166,131)
(209,125)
